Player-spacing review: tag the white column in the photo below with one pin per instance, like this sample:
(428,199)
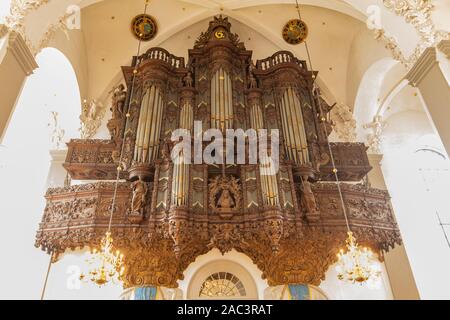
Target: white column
(434,89)
(396,261)
(16,63)
(444,58)
(56,174)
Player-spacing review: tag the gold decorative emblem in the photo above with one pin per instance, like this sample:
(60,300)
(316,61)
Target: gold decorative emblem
(144,27)
(295,31)
(219,34)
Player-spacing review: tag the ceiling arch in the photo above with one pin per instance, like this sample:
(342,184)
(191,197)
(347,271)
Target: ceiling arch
(367,99)
(343,6)
(205,15)
(244,11)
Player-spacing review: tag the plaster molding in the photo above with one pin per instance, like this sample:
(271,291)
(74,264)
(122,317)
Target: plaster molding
(92,114)
(444,47)
(418,14)
(18,12)
(423,65)
(22,53)
(375,138)
(344,123)
(48,35)
(16,21)
(392,45)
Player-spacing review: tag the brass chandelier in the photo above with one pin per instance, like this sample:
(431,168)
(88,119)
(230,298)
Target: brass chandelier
(356,265)
(104,266)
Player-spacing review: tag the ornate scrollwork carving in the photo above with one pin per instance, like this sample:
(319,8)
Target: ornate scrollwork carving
(290,240)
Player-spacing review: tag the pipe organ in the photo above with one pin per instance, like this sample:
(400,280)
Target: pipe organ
(149,127)
(293,127)
(221,100)
(180,183)
(289,222)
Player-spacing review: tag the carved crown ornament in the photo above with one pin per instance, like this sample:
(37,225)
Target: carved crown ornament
(167,213)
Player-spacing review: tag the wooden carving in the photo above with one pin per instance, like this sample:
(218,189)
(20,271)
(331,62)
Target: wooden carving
(291,230)
(225,195)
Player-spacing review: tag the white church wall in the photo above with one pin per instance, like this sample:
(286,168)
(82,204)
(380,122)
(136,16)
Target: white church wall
(423,238)
(335,289)
(64,281)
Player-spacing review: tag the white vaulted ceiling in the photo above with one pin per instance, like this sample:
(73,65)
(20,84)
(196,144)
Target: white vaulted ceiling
(110,44)
(342,46)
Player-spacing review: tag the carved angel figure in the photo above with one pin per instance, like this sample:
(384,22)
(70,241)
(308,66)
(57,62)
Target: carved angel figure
(308,195)
(188,81)
(118,102)
(253,82)
(139,196)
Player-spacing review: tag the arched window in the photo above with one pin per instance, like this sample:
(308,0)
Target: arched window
(222,284)
(222,279)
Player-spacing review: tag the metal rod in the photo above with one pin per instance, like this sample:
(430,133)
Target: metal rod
(46,276)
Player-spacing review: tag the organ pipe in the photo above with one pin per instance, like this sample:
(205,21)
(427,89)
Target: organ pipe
(221,100)
(180,184)
(269,184)
(149,126)
(293,127)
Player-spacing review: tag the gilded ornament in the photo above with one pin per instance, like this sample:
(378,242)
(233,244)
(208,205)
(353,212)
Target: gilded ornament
(144,27)
(295,31)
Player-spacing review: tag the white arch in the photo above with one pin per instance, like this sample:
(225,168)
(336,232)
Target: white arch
(237,263)
(222,266)
(265,32)
(52,87)
(367,98)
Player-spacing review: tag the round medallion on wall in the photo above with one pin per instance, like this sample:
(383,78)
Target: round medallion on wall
(295,31)
(144,27)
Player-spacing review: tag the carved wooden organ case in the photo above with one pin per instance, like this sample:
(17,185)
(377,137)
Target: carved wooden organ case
(290,224)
